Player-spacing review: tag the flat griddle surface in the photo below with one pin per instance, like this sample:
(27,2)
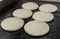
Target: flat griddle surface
(20,34)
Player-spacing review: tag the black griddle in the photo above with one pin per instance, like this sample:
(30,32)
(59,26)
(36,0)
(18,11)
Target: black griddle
(21,34)
(5,3)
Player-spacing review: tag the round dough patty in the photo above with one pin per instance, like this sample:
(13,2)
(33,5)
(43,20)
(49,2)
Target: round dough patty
(43,16)
(36,28)
(48,8)
(12,24)
(30,5)
(22,13)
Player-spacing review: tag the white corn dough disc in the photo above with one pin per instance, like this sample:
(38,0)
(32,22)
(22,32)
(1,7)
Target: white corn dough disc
(22,13)
(36,28)
(43,16)
(12,24)
(48,8)
(30,5)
